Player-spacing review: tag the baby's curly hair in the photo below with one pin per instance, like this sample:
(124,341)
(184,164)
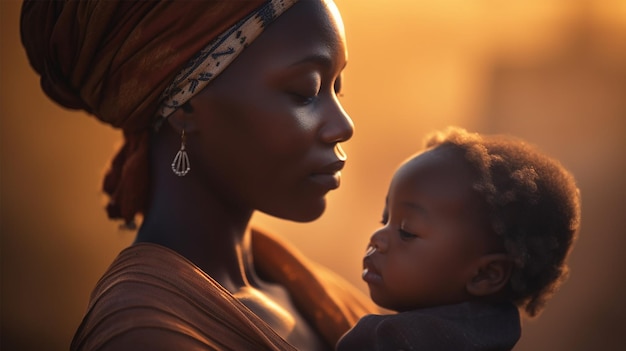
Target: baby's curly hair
(534,206)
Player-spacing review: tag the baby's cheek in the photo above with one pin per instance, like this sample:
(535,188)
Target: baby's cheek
(401,276)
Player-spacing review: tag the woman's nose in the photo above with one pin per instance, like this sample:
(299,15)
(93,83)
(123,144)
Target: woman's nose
(338,127)
(379,241)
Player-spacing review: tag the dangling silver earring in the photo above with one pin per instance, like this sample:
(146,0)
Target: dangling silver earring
(180,165)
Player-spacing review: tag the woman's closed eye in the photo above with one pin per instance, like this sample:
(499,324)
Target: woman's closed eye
(305,87)
(337,87)
(303,99)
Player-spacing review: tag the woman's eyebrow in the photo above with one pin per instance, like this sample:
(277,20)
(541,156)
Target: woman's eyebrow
(322,60)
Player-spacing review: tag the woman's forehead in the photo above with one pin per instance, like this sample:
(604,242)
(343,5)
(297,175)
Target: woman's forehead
(308,27)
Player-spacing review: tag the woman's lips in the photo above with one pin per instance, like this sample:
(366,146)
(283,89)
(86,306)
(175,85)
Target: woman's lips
(327,181)
(329,176)
(341,155)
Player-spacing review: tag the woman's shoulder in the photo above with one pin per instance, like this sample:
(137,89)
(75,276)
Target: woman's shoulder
(152,297)
(148,274)
(137,299)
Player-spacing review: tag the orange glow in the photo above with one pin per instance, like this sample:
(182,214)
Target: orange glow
(552,72)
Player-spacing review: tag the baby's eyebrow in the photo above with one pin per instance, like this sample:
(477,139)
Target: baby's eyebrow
(414,206)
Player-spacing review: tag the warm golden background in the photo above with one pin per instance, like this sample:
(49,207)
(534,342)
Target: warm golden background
(550,71)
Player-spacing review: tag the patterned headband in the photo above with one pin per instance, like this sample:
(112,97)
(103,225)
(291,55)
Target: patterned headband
(216,56)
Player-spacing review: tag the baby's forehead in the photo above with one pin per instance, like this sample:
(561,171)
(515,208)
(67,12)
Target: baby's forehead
(436,171)
(439,159)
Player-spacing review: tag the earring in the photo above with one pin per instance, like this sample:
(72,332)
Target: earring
(180,165)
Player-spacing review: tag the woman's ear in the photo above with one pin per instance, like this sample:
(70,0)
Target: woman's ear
(491,276)
(183,118)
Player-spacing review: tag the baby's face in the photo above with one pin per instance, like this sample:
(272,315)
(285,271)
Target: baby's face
(432,235)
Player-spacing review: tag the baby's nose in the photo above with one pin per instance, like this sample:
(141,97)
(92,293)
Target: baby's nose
(378,241)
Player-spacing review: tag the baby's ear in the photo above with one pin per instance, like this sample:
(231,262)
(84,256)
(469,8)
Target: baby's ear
(492,274)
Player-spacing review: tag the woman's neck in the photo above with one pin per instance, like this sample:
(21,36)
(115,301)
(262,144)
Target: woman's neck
(192,221)
(192,216)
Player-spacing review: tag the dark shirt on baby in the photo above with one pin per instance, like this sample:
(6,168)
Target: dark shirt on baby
(469,326)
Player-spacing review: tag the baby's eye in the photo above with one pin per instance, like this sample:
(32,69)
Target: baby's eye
(404,235)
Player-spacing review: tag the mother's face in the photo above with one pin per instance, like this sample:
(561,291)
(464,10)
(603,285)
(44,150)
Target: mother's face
(268,126)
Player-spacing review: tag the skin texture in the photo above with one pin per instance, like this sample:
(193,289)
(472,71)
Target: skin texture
(262,136)
(433,248)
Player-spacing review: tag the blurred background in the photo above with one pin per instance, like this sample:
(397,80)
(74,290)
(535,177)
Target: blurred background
(550,71)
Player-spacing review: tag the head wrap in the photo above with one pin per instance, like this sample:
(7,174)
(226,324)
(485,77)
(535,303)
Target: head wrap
(126,62)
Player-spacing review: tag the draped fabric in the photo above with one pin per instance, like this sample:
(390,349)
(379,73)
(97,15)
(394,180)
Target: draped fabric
(115,58)
(153,298)
(333,310)
(217,55)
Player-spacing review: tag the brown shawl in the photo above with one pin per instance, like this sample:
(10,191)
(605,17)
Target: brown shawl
(153,298)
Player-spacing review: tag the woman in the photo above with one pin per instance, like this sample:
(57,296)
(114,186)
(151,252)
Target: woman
(213,133)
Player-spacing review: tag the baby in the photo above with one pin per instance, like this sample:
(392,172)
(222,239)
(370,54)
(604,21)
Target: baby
(474,228)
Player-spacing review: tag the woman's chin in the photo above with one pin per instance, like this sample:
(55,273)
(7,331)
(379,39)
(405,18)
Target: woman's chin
(300,212)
